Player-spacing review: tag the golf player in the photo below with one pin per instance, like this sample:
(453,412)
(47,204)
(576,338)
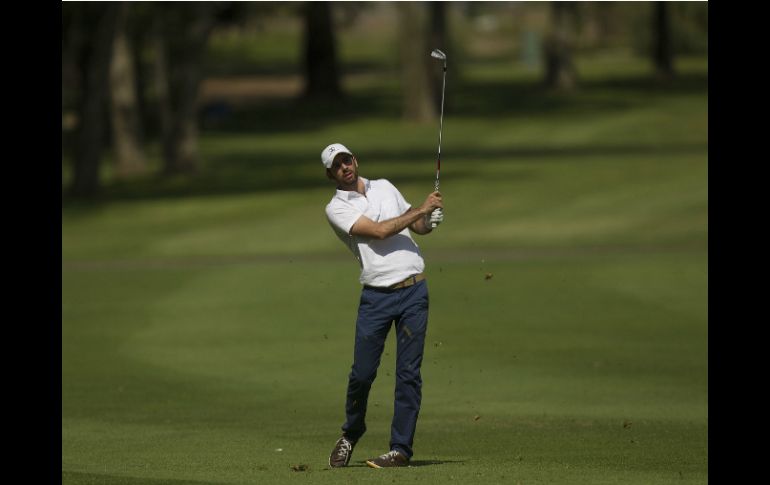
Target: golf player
(373,220)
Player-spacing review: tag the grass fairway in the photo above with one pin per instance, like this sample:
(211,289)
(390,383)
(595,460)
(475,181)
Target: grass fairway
(583,369)
(207,324)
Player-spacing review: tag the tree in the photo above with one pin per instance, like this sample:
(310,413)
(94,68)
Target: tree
(180,37)
(605,21)
(560,72)
(322,76)
(91,29)
(418,92)
(663,58)
(160,82)
(124,109)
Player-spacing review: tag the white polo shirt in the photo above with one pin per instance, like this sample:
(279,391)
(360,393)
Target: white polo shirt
(383,262)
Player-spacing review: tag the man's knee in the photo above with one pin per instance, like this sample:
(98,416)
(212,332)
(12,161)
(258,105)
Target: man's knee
(362,377)
(409,375)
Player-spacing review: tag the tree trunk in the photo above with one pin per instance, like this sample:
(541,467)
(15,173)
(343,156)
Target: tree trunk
(125,115)
(663,57)
(418,95)
(560,73)
(71,45)
(160,81)
(182,143)
(139,36)
(183,37)
(94,61)
(605,23)
(322,77)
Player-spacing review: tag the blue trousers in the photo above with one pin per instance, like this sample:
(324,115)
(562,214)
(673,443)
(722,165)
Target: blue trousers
(377,312)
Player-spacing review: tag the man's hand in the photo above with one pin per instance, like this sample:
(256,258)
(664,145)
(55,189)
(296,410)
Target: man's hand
(431,203)
(436,218)
(433,214)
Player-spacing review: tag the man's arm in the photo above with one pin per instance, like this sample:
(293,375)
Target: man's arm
(422,225)
(413,218)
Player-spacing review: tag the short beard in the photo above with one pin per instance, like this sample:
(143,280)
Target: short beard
(352,186)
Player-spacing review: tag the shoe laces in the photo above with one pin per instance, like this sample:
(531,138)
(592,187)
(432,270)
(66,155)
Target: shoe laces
(391,455)
(345,447)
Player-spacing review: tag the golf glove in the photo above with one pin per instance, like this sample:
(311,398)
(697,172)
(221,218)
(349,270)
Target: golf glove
(436,218)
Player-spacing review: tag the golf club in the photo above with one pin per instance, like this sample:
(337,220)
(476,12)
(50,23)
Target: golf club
(437,54)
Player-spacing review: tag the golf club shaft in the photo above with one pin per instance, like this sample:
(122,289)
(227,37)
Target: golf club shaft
(441,56)
(440,131)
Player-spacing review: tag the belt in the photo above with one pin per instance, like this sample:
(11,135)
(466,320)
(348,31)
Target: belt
(412,280)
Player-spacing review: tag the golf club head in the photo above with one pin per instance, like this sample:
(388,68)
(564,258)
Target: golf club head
(438,54)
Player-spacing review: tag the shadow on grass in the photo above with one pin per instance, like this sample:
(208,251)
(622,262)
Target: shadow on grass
(263,172)
(236,66)
(432,462)
(503,98)
(297,114)
(292,169)
(490,99)
(413,463)
(104,479)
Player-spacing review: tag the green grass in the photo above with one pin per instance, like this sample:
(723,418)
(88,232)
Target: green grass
(203,373)
(207,321)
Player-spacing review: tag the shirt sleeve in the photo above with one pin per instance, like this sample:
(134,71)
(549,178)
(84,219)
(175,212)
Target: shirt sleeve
(342,216)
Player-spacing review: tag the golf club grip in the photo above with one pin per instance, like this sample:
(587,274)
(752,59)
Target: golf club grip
(435,189)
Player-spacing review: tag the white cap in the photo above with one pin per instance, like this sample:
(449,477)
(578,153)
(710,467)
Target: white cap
(328,153)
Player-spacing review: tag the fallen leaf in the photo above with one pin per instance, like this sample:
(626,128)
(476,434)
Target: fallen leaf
(627,424)
(299,468)
(488,276)
(476,418)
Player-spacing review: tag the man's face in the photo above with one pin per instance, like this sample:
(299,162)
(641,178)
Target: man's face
(344,170)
